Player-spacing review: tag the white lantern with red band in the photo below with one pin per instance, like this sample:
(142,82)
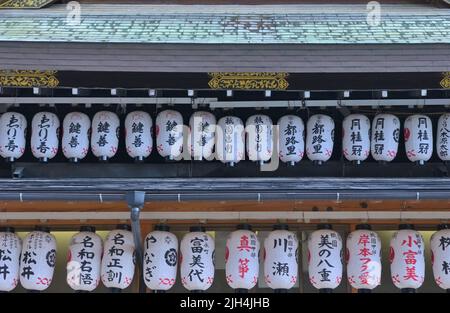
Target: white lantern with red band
(169,134)
(201,140)
(258,130)
(44,135)
(325,258)
(230,140)
(407,258)
(118,263)
(440,256)
(443,137)
(385,136)
(363,255)
(319,138)
(281,259)
(10,249)
(291,139)
(418,135)
(160,259)
(84,260)
(356,137)
(75,139)
(242,259)
(197,251)
(38,259)
(13,128)
(138,135)
(105,135)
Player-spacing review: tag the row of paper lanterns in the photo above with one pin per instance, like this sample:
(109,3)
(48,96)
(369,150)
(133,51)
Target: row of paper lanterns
(32,262)
(226,138)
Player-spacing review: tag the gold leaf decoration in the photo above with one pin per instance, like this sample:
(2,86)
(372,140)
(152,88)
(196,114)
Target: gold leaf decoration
(445,82)
(24,4)
(28,78)
(249,81)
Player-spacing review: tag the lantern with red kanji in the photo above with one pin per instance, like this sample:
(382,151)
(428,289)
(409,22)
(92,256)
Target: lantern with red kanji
(75,139)
(44,136)
(407,258)
(105,135)
(10,247)
(418,133)
(291,139)
(356,137)
(242,259)
(385,137)
(13,128)
(281,258)
(230,140)
(259,141)
(319,138)
(202,130)
(169,134)
(160,259)
(363,255)
(325,258)
(197,250)
(440,256)
(138,135)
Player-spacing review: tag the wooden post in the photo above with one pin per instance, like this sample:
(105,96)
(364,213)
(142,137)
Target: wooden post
(352,228)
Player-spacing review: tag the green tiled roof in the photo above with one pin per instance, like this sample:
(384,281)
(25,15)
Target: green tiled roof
(338,28)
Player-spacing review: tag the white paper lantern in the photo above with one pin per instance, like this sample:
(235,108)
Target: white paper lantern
(407,259)
(258,130)
(105,134)
(242,259)
(13,128)
(118,261)
(440,257)
(38,260)
(230,140)
(385,136)
(443,137)
(75,139)
(138,134)
(319,138)
(10,249)
(363,259)
(160,259)
(418,135)
(291,140)
(356,137)
(84,260)
(45,135)
(202,129)
(197,250)
(169,134)
(280,259)
(325,259)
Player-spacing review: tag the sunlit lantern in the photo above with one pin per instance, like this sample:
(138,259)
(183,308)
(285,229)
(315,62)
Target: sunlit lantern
(105,135)
(13,128)
(10,247)
(138,135)
(160,259)
(356,137)
(169,134)
(319,138)
(443,137)
(84,260)
(242,259)
(418,135)
(291,139)
(258,130)
(197,250)
(230,140)
(440,256)
(44,135)
(75,139)
(201,140)
(385,136)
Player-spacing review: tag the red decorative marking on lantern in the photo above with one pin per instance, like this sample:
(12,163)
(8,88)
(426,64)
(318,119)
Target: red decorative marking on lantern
(406,134)
(391,254)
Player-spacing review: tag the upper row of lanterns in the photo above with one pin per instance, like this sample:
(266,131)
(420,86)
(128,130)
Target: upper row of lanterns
(113,262)
(224,140)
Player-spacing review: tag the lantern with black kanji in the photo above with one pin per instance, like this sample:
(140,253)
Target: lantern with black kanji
(160,259)
(197,251)
(118,263)
(38,259)
(363,255)
(230,140)
(356,137)
(291,139)
(281,259)
(319,138)
(138,135)
(84,260)
(385,136)
(13,128)
(443,137)
(10,249)
(440,256)
(242,259)
(44,135)
(105,135)
(325,258)
(169,134)
(75,139)
(418,133)
(201,140)
(259,142)
(407,258)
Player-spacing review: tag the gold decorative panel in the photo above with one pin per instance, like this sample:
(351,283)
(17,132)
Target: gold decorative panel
(249,81)
(28,78)
(445,82)
(24,4)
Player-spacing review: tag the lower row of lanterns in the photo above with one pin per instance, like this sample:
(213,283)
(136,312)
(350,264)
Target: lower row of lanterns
(113,262)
